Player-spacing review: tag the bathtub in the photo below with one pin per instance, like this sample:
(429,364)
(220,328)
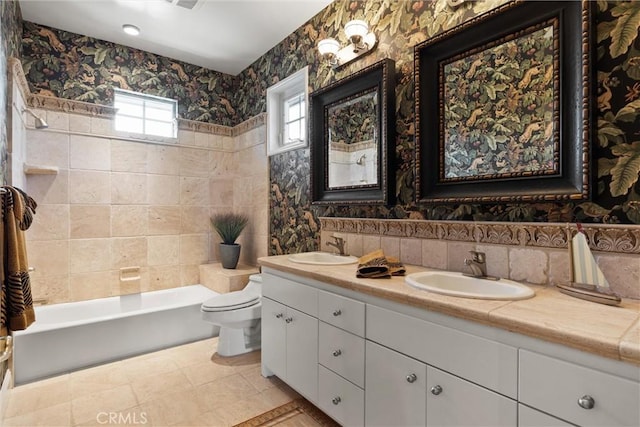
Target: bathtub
(71,336)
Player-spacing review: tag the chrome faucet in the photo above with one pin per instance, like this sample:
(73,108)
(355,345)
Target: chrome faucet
(338,243)
(477,264)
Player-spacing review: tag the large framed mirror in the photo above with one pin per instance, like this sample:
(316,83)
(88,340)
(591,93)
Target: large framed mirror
(352,133)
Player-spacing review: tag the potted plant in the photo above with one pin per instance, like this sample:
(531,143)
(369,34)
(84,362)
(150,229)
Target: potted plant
(229,226)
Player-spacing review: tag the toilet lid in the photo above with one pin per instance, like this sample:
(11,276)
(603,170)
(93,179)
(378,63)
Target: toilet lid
(231,301)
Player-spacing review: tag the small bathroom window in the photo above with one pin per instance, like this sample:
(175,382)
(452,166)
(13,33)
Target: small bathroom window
(287,112)
(145,114)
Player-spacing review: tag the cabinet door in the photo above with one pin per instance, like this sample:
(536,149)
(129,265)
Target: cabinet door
(302,353)
(528,417)
(395,393)
(274,337)
(452,401)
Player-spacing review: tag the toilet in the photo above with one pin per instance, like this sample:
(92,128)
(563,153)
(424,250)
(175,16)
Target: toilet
(238,315)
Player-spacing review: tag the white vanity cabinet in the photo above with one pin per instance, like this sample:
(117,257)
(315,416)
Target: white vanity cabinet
(289,335)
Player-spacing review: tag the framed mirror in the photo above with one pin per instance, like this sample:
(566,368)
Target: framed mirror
(503,106)
(352,133)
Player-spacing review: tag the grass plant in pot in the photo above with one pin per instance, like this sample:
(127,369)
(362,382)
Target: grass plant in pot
(229,226)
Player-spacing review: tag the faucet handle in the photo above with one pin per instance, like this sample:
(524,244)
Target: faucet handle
(479,257)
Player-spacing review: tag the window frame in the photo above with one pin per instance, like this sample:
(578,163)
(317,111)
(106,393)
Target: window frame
(278,95)
(131,95)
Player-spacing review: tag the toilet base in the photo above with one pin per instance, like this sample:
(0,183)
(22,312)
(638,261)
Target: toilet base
(235,341)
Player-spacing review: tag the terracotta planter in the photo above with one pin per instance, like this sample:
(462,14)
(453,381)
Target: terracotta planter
(229,255)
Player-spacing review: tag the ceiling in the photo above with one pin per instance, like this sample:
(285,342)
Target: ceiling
(222,35)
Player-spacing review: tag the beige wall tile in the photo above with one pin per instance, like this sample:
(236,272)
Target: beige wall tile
(51,223)
(128,189)
(559,267)
(49,257)
(194,249)
(194,162)
(47,148)
(89,153)
(58,120)
(370,243)
(243,192)
(457,252)
(497,259)
(252,160)
(164,220)
(86,286)
(221,192)
(128,252)
(434,254)
(353,245)
(54,289)
(622,272)
(89,221)
(186,137)
(163,159)
(89,187)
(79,123)
(189,275)
(129,220)
(127,156)
(215,141)
(163,250)
(194,191)
(102,126)
(222,164)
(390,246)
(163,189)
(411,251)
(89,255)
(530,265)
(195,219)
(163,277)
(49,188)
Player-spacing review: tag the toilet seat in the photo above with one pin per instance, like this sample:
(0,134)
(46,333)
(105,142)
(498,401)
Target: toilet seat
(230,301)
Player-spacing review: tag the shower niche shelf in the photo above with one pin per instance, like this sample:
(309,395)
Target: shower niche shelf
(40,170)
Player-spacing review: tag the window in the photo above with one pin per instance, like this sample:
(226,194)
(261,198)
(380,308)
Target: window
(145,114)
(286,112)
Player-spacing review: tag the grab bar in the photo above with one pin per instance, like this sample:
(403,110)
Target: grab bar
(8,349)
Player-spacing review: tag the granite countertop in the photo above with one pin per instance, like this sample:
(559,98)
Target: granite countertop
(612,332)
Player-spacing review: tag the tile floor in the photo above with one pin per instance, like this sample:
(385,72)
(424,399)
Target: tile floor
(189,385)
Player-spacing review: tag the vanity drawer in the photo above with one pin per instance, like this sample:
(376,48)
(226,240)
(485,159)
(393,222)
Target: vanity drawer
(488,363)
(566,390)
(342,352)
(340,399)
(293,294)
(343,312)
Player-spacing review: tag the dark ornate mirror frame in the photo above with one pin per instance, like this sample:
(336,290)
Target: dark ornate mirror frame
(380,75)
(572,85)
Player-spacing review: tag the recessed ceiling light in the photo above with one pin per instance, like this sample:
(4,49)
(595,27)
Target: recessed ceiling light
(132,30)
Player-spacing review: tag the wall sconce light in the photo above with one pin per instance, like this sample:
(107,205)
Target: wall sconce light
(361,42)
(39,121)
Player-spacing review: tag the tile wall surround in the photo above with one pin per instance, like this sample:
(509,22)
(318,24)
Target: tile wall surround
(119,201)
(533,252)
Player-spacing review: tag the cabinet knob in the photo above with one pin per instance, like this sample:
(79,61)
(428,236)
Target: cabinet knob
(279,316)
(337,312)
(289,319)
(336,400)
(411,378)
(337,353)
(436,390)
(586,402)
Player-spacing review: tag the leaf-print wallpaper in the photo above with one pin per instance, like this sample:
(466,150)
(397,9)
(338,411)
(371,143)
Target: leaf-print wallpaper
(73,66)
(400,25)
(10,37)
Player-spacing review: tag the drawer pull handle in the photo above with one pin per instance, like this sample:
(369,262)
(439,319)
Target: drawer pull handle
(337,312)
(289,319)
(411,378)
(586,402)
(279,316)
(337,353)
(436,390)
(336,400)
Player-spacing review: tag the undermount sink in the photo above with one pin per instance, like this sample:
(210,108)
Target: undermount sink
(322,258)
(459,285)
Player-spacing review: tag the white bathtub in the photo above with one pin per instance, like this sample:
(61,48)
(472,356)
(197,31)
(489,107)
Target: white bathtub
(71,336)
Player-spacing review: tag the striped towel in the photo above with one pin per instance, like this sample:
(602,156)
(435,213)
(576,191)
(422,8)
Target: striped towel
(375,265)
(16,303)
